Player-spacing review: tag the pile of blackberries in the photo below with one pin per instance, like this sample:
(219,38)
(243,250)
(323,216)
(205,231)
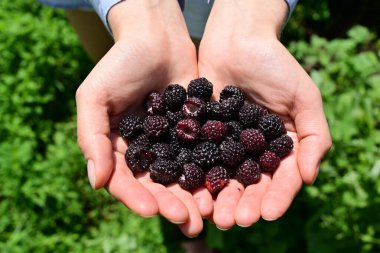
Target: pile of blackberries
(189,139)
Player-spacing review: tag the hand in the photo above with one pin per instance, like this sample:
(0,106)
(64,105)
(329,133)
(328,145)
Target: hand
(240,46)
(152,49)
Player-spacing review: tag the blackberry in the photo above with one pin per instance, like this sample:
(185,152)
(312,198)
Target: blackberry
(206,154)
(141,140)
(233,130)
(213,130)
(138,158)
(231,152)
(174,117)
(281,146)
(231,91)
(200,88)
(248,172)
(194,108)
(230,108)
(268,161)
(184,156)
(162,150)
(253,140)
(155,104)
(155,126)
(272,126)
(172,139)
(164,171)
(250,114)
(188,130)
(192,177)
(175,95)
(130,126)
(216,179)
(214,110)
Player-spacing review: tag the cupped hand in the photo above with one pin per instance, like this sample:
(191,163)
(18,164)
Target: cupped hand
(235,50)
(152,50)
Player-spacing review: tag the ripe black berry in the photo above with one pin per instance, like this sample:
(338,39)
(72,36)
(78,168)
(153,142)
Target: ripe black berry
(141,140)
(250,114)
(253,140)
(231,152)
(194,108)
(138,158)
(162,150)
(272,126)
(233,130)
(268,161)
(248,172)
(216,179)
(184,156)
(281,146)
(155,104)
(214,110)
(192,177)
(230,108)
(231,91)
(213,130)
(200,88)
(175,95)
(206,154)
(188,130)
(174,117)
(164,171)
(155,126)
(130,126)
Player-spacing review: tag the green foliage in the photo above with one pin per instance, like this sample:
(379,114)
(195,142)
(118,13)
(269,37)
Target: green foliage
(340,213)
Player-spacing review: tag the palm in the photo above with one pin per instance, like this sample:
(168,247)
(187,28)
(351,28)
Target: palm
(271,77)
(118,86)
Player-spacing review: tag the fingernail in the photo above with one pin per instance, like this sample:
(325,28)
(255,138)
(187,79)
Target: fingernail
(192,236)
(316,173)
(243,226)
(91,173)
(177,222)
(222,229)
(148,216)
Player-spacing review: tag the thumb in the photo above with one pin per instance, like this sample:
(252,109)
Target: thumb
(313,133)
(93,138)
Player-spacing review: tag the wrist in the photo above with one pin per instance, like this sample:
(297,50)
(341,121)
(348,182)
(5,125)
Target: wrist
(254,17)
(143,17)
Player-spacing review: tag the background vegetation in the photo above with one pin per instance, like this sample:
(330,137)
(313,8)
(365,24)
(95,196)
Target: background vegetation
(46,204)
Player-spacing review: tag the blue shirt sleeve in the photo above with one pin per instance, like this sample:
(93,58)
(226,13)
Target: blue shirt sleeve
(102,7)
(291,4)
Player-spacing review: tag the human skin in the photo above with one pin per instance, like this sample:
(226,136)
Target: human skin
(152,49)
(241,46)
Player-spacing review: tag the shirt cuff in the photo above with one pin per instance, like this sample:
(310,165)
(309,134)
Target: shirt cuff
(291,4)
(102,7)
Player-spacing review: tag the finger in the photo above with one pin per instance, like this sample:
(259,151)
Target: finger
(248,210)
(124,187)
(194,225)
(313,133)
(225,205)
(285,184)
(204,202)
(93,132)
(118,144)
(169,205)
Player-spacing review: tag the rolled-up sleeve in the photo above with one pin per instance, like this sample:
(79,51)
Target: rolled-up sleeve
(291,4)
